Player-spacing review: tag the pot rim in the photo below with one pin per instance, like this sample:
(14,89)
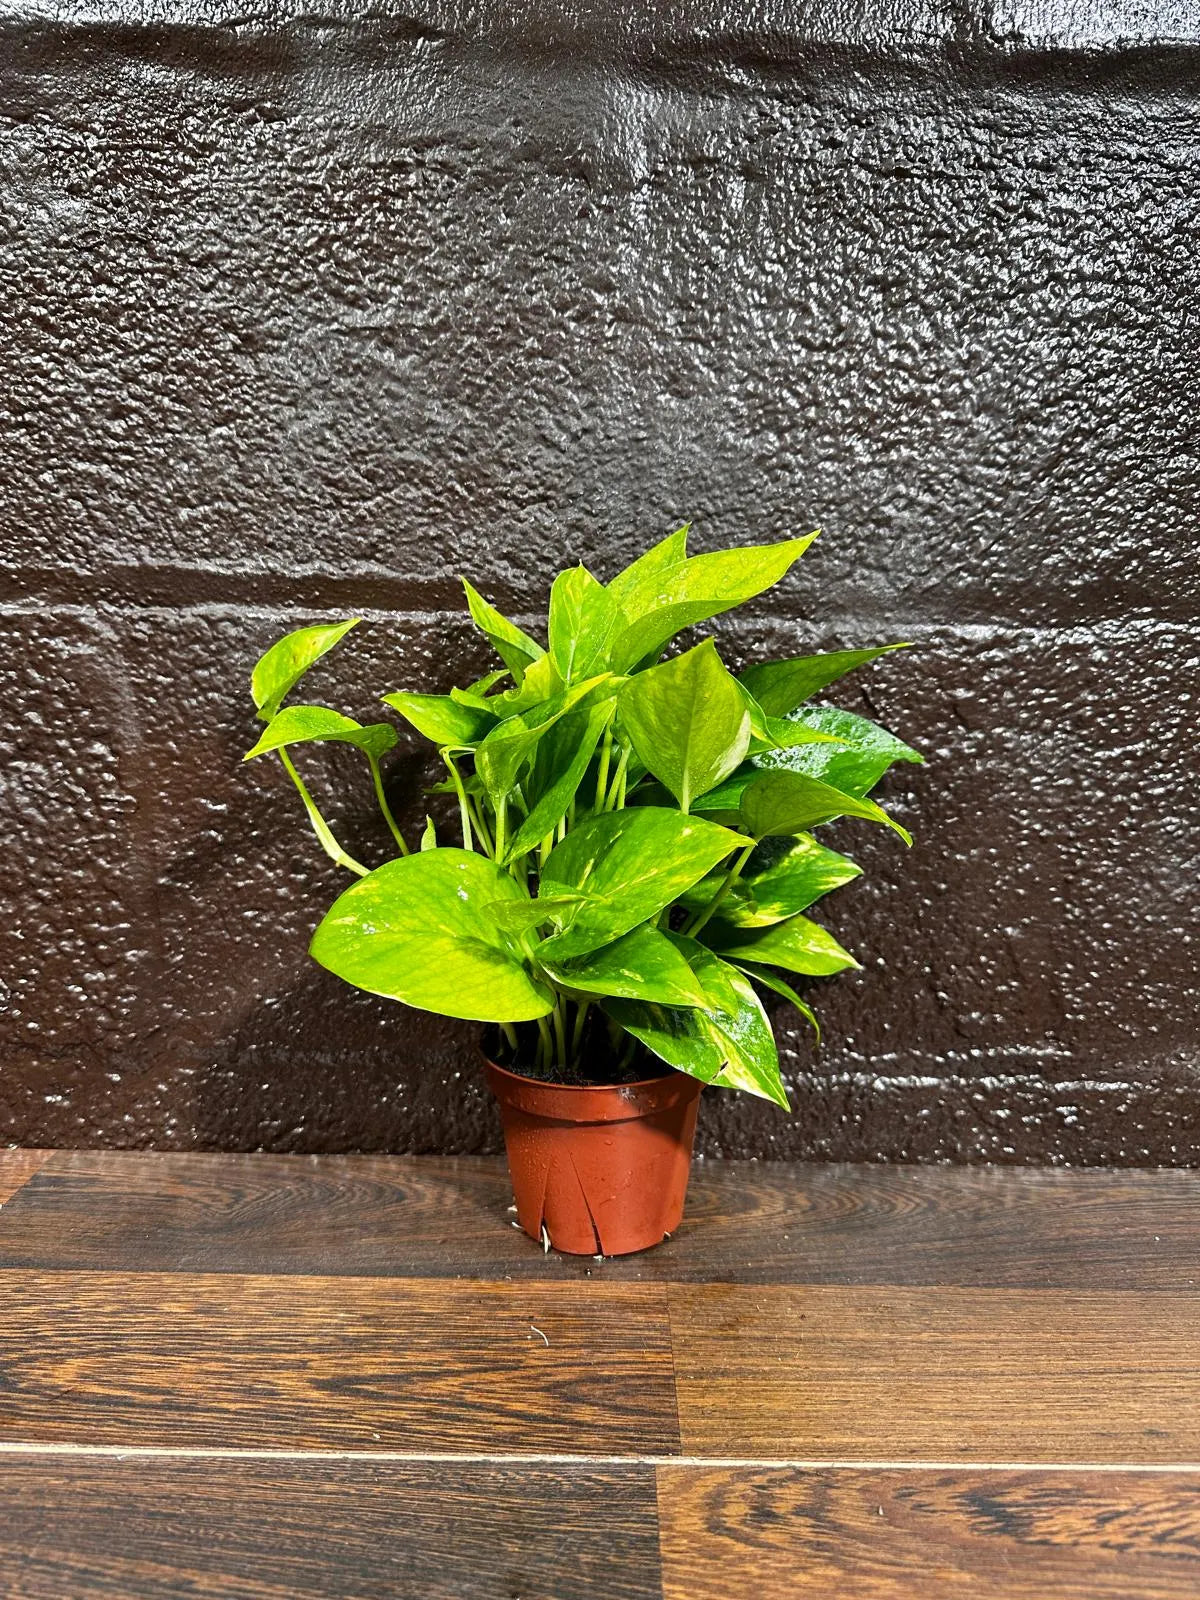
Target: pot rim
(582,1088)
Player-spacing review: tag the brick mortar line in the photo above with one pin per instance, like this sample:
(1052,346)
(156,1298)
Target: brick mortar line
(865,622)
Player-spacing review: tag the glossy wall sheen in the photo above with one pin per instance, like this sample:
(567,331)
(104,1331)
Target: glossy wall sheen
(304,312)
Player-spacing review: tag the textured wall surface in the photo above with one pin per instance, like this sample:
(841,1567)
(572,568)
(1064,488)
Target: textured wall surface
(303,312)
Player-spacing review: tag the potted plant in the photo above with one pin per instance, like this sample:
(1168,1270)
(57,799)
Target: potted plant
(633,858)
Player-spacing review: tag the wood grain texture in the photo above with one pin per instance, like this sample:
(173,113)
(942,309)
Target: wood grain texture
(941,1375)
(745,1222)
(16,1169)
(157,1530)
(361,1216)
(859,1535)
(347,1363)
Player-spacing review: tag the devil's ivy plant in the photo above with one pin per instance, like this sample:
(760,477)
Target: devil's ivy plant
(636,848)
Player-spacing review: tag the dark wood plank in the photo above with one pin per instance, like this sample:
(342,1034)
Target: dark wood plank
(746,1222)
(361,1216)
(941,1375)
(16,1169)
(858,1535)
(226,1530)
(987,1226)
(349,1363)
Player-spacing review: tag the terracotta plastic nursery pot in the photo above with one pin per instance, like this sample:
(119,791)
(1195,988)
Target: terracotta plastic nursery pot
(604,1170)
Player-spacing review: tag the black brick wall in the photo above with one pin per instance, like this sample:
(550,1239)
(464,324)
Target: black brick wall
(305,312)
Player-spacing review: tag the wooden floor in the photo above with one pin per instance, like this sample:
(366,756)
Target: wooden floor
(292,1377)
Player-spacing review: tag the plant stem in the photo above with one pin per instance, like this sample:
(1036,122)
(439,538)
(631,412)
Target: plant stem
(727,883)
(518,870)
(602,774)
(464,808)
(510,1033)
(545,1043)
(501,821)
(616,794)
(319,826)
(479,820)
(577,1035)
(377,777)
(560,1033)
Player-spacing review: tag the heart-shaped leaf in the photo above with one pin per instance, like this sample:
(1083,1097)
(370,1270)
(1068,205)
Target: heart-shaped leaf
(798,945)
(420,930)
(442,719)
(783,876)
(629,866)
(728,1043)
(310,724)
(688,722)
(855,764)
(697,588)
(792,802)
(642,965)
(278,672)
(780,686)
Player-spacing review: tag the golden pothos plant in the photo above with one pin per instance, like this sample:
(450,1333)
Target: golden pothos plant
(635,851)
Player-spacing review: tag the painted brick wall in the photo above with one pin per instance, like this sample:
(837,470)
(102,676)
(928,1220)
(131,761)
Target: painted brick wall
(303,312)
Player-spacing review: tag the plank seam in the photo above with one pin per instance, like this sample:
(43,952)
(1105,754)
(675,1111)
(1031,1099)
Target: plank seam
(16,1447)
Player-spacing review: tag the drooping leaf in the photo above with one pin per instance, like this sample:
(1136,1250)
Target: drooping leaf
(634,590)
(512,644)
(772,980)
(278,672)
(506,749)
(728,1043)
(688,721)
(441,718)
(310,724)
(856,763)
(641,965)
(555,772)
(697,588)
(584,620)
(419,930)
(792,802)
(780,686)
(628,865)
(782,877)
(798,945)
